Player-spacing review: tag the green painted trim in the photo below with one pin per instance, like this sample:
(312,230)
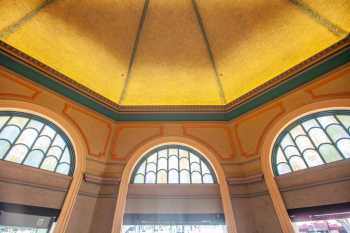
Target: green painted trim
(316,71)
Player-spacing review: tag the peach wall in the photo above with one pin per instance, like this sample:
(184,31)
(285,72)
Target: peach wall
(236,143)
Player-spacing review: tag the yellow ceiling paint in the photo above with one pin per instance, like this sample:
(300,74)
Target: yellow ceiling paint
(172,64)
(252,41)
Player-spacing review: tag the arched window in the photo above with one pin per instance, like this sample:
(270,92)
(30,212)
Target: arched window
(33,141)
(173,164)
(313,140)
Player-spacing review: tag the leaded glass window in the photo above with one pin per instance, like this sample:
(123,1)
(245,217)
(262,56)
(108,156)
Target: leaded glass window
(173,164)
(313,140)
(33,141)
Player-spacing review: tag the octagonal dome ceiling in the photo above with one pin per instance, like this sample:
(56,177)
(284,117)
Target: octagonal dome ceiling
(173,52)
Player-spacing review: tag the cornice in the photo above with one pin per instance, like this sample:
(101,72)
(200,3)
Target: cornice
(308,70)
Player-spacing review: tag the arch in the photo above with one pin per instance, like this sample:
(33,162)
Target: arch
(267,148)
(184,159)
(148,146)
(78,144)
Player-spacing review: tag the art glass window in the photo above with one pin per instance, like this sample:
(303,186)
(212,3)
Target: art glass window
(33,141)
(173,164)
(313,140)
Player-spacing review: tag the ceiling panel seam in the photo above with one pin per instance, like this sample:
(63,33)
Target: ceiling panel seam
(320,19)
(133,53)
(6,32)
(210,52)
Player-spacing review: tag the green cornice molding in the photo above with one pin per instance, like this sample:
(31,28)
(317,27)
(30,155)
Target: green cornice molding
(307,71)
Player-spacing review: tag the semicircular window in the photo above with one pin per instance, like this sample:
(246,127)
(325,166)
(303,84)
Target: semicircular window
(313,140)
(173,164)
(33,141)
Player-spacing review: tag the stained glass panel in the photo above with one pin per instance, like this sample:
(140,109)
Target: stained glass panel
(313,140)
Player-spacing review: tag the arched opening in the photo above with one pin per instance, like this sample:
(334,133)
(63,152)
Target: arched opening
(174,147)
(291,149)
(42,144)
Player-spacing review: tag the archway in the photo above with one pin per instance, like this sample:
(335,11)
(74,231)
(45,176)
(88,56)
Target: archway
(143,149)
(77,143)
(267,148)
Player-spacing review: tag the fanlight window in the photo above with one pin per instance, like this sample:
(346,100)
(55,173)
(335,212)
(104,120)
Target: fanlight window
(30,140)
(173,164)
(313,140)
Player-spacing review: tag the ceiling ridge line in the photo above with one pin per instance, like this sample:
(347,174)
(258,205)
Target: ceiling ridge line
(6,32)
(318,18)
(210,52)
(133,52)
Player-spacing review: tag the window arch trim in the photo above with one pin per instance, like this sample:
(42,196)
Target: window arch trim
(30,149)
(189,170)
(299,121)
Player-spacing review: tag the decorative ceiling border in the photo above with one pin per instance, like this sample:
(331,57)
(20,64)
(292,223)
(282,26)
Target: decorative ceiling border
(306,71)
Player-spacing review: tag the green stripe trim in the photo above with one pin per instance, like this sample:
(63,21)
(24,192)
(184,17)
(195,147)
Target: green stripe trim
(311,74)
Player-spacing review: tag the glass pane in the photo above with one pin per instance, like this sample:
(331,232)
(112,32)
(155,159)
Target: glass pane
(42,143)
(345,120)
(196,178)
(55,151)
(291,151)
(162,177)
(283,168)
(195,167)
(17,154)
(326,121)
(35,125)
(329,153)
(280,156)
(49,164)
(194,158)
(19,121)
(185,177)
(173,162)
(150,178)
(10,133)
(139,179)
(3,120)
(63,169)
(312,158)
(344,147)
(318,136)
(59,142)
(34,158)
(27,137)
(303,142)
(4,146)
(286,141)
(66,156)
(205,168)
(141,169)
(162,164)
(296,131)
(208,179)
(297,163)
(151,167)
(173,177)
(173,151)
(310,124)
(163,154)
(48,131)
(184,164)
(336,132)
(152,159)
(183,153)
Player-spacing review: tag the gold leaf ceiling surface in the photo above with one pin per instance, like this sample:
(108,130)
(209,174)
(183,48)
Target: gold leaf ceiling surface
(174,52)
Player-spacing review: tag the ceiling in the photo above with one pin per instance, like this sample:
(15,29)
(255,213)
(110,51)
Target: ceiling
(173,52)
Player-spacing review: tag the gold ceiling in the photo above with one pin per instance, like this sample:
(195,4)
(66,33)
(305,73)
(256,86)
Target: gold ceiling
(172,52)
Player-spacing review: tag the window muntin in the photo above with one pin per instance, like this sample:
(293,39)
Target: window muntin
(33,141)
(313,140)
(173,164)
